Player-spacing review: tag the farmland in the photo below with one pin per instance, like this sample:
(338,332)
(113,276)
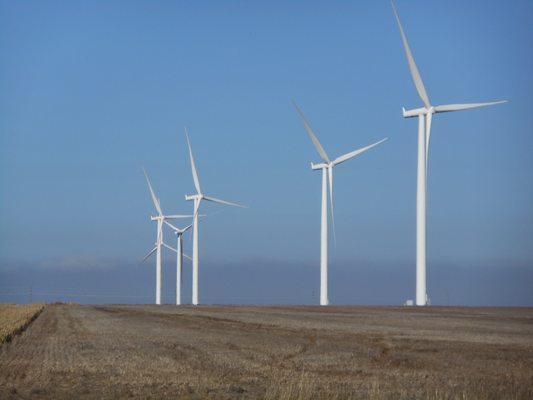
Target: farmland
(226,352)
(14,318)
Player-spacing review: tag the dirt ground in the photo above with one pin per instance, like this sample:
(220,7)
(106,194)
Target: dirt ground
(225,352)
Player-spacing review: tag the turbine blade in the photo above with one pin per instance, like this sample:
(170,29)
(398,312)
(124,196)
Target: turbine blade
(467,106)
(186,256)
(215,200)
(312,135)
(189,239)
(193,166)
(354,153)
(175,228)
(196,208)
(412,65)
(170,247)
(148,255)
(152,193)
(330,178)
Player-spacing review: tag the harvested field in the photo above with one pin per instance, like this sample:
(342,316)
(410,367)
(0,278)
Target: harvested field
(14,318)
(226,352)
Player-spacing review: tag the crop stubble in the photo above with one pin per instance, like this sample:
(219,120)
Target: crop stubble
(74,351)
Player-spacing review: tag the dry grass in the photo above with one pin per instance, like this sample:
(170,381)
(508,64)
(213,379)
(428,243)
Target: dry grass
(308,387)
(271,353)
(14,318)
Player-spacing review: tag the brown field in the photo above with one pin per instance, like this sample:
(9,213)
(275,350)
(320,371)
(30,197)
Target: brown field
(14,318)
(225,352)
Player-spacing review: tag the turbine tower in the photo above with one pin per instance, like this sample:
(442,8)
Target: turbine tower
(197,198)
(425,115)
(179,252)
(160,218)
(327,176)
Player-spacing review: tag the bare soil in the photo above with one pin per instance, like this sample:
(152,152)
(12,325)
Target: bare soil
(242,352)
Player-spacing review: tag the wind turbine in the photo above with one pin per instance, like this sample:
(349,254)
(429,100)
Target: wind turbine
(197,198)
(160,218)
(424,115)
(179,252)
(327,175)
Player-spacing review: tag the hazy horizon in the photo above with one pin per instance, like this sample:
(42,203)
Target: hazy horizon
(363,283)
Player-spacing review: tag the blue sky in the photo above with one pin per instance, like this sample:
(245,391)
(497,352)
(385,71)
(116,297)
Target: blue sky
(92,91)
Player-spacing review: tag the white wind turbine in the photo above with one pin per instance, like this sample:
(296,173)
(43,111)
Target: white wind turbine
(424,115)
(327,175)
(160,218)
(179,252)
(197,198)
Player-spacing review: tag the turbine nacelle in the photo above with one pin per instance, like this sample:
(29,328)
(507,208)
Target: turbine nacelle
(321,165)
(415,112)
(180,231)
(190,197)
(165,217)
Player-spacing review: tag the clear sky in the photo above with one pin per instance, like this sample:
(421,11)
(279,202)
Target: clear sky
(92,91)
